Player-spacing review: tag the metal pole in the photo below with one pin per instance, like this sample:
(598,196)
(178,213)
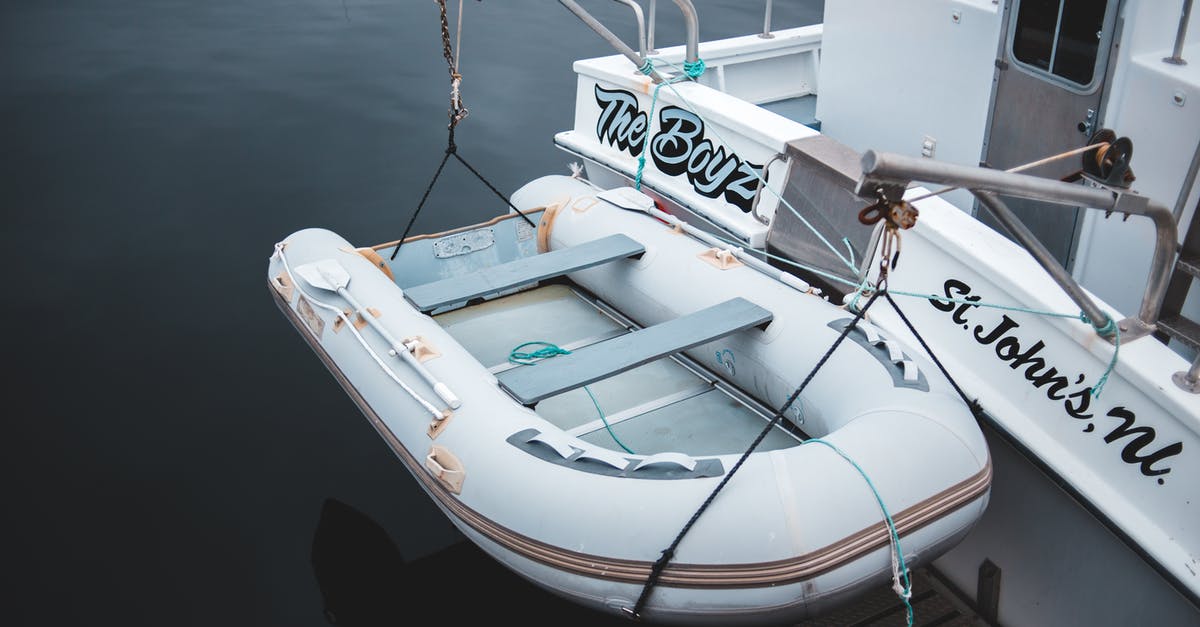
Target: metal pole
(1189,379)
(650,30)
(894,168)
(782,276)
(766,34)
(608,36)
(692,21)
(641,24)
(1013,224)
(1189,179)
(1176,57)
(1166,239)
(402,351)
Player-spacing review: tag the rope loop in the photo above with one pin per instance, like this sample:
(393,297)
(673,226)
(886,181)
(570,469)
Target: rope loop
(1109,329)
(527,358)
(694,69)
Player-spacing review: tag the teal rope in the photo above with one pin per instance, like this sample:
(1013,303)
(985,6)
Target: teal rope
(945,299)
(692,71)
(516,356)
(762,180)
(906,594)
(637,180)
(1109,329)
(548,350)
(849,249)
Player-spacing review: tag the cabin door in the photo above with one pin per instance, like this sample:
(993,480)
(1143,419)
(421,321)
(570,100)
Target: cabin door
(1048,93)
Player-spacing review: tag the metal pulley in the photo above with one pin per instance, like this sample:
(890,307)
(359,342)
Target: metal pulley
(1109,163)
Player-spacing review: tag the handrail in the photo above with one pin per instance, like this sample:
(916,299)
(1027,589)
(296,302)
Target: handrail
(766,34)
(650,28)
(641,24)
(692,20)
(611,38)
(693,28)
(1176,57)
(1013,224)
(1185,189)
(889,169)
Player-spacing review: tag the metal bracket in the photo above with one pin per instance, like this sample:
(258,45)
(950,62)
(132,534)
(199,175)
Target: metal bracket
(987,591)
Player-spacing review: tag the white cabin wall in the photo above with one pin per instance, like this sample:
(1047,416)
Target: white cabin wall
(1145,28)
(893,73)
(1114,255)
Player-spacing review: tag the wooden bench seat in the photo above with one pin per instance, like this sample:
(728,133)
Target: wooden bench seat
(495,279)
(530,384)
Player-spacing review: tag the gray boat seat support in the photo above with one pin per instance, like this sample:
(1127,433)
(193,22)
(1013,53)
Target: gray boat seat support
(530,384)
(495,279)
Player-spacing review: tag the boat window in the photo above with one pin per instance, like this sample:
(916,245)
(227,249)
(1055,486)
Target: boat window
(1033,41)
(1059,37)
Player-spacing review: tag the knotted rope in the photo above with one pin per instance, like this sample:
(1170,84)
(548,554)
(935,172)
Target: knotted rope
(692,71)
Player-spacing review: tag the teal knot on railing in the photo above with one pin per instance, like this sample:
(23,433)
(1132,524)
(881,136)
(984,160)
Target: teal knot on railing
(1108,330)
(694,69)
(647,67)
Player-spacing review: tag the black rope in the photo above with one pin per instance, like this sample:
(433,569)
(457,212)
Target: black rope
(973,404)
(493,188)
(669,553)
(452,150)
(457,112)
(428,188)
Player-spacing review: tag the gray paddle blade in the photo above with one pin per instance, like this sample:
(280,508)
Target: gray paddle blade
(326,274)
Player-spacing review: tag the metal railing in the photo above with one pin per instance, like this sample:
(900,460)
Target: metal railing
(641,23)
(766,34)
(1176,57)
(645,36)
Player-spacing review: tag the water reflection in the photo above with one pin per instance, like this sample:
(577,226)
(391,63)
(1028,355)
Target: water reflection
(365,581)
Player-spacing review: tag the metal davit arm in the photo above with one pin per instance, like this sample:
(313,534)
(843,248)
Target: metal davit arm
(1014,225)
(891,170)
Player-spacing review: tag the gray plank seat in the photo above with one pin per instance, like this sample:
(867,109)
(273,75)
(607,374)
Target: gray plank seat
(495,279)
(601,360)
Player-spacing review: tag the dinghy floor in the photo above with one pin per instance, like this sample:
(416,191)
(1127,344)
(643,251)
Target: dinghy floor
(667,405)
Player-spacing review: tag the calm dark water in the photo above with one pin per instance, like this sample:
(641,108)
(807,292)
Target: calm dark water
(173,453)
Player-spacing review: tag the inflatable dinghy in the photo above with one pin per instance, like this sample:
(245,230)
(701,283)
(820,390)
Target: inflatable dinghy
(606,403)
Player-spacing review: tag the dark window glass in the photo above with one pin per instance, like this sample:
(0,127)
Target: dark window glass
(1033,41)
(1075,23)
(1079,40)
